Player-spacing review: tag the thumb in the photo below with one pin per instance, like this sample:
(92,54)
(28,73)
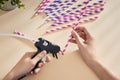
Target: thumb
(77,38)
(39,56)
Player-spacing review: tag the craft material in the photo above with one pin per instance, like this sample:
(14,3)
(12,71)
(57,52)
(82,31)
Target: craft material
(59,5)
(65,12)
(72,25)
(43,6)
(89,11)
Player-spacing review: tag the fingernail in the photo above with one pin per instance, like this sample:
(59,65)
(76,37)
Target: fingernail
(73,31)
(31,73)
(44,52)
(41,64)
(37,70)
(73,28)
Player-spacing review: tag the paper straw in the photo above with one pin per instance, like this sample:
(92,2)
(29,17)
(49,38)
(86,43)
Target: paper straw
(73,10)
(63,5)
(80,7)
(77,16)
(66,12)
(43,6)
(71,25)
(92,9)
(85,15)
(54,6)
(58,6)
(71,3)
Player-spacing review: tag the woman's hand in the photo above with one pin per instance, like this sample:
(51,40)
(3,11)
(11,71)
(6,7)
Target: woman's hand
(25,65)
(87,46)
(87,51)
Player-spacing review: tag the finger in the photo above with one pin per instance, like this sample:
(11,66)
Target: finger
(79,29)
(39,56)
(30,54)
(81,33)
(31,72)
(88,35)
(77,38)
(40,64)
(48,59)
(72,41)
(89,38)
(84,34)
(37,70)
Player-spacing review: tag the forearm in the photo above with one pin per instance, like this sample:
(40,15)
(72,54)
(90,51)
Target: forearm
(10,76)
(100,70)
